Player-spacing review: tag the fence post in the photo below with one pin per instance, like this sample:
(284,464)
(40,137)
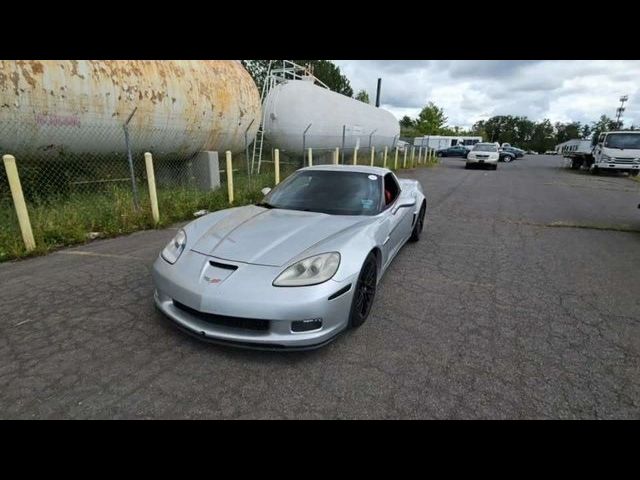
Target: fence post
(384,159)
(18,202)
(336,156)
(134,188)
(355,155)
(404,161)
(413,156)
(395,163)
(344,130)
(229,176)
(151,179)
(373,152)
(311,157)
(276,164)
(419,155)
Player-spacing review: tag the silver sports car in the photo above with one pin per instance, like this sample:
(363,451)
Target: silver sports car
(296,269)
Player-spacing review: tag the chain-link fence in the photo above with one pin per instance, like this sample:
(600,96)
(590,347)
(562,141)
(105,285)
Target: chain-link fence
(92,183)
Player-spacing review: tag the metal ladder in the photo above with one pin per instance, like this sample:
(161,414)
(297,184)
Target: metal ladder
(275,76)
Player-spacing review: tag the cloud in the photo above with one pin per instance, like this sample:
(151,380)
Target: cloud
(471,90)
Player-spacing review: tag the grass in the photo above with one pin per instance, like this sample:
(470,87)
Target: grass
(65,220)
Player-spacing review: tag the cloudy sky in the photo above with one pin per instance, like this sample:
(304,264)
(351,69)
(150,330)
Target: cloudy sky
(472,90)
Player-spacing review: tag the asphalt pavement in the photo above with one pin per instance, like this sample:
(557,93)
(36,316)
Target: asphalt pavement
(520,301)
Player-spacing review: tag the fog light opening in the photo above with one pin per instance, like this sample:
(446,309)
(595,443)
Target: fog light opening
(306,325)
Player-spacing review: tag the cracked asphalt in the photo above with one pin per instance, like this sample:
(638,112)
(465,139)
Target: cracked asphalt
(493,314)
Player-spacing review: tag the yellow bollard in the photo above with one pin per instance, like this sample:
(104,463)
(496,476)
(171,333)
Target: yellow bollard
(336,156)
(395,163)
(384,158)
(276,164)
(151,180)
(373,152)
(310,158)
(355,156)
(229,176)
(404,162)
(18,202)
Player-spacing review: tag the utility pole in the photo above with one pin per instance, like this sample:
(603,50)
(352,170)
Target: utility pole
(619,111)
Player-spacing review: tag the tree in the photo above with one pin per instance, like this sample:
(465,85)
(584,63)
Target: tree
(406,122)
(363,96)
(567,131)
(431,120)
(603,125)
(329,73)
(325,70)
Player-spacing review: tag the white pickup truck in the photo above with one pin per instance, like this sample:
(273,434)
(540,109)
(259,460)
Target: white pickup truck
(617,150)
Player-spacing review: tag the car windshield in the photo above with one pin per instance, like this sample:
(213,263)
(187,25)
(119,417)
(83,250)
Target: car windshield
(328,191)
(484,147)
(623,140)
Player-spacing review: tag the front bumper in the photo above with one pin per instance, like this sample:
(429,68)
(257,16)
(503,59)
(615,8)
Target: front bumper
(617,166)
(247,294)
(482,161)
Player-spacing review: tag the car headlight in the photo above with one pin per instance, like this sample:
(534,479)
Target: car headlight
(606,158)
(174,248)
(309,271)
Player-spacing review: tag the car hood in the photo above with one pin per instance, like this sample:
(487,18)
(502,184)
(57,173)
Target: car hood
(263,236)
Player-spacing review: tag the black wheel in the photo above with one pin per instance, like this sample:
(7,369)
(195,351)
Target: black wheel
(634,173)
(417,228)
(507,158)
(466,166)
(364,293)
(494,167)
(575,165)
(595,170)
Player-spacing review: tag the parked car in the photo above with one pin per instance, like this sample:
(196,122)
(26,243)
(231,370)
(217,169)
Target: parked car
(516,151)
(483,154)
(532,152)
(455,151)
(505,156)
(297,268)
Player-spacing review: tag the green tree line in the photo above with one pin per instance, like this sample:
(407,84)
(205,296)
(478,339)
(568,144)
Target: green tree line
(516,130)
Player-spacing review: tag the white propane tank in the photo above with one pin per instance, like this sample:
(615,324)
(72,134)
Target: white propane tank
(290,107)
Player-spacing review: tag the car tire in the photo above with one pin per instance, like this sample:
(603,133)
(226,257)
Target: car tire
(494,167)
(364,292)
(595,170)
(507,158)
(417,228)
(634,173)
(467,166)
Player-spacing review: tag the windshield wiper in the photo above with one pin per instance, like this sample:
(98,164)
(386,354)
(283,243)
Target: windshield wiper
(265,205)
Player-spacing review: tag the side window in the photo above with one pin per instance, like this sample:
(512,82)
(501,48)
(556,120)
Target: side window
(391,189)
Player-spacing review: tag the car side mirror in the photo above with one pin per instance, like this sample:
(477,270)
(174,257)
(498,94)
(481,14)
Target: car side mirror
(405,203)
(265,190)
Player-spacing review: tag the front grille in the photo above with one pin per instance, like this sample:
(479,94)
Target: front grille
(224,321)
(621,160)
(482,156)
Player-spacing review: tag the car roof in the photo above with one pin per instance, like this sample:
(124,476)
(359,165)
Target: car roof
(350,168)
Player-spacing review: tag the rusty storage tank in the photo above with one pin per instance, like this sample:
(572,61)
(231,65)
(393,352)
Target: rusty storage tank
(293,105)
(50,107)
